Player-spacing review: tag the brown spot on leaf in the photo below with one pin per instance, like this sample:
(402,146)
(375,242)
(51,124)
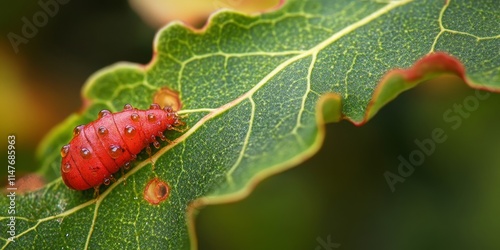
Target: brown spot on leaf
(156,191)
(167,97)
(29,183)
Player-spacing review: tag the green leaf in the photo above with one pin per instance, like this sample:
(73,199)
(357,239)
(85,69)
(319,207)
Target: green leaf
(257,91)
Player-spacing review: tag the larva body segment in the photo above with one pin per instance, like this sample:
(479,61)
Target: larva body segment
(100,148)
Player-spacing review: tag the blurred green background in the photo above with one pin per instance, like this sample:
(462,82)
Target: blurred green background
(449,202)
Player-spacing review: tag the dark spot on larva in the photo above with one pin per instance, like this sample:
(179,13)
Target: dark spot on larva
(66,168)
(154,106)
(151,117)
(103,113)
(134,117)
(128,107)
(115,151)
(156,191)
(85,153)
(130,131)
(77,130)
(65,150)
(102,130)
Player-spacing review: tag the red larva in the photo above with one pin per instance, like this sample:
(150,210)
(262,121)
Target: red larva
(100,148)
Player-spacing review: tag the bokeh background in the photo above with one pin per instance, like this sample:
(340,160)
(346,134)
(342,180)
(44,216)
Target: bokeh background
(339,196)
